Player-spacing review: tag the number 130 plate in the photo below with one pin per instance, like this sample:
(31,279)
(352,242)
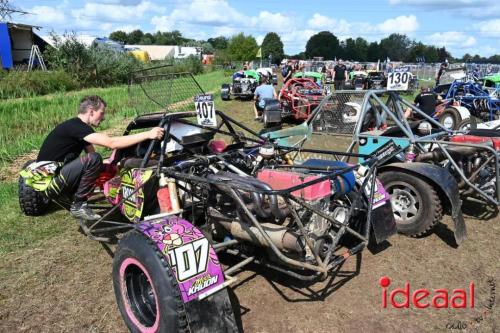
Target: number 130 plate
(205,110)
(398,80)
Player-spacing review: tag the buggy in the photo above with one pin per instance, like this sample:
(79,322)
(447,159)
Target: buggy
(473,96)
(435,170)
(243,85)
(376,80)
(210,187)
(299,96)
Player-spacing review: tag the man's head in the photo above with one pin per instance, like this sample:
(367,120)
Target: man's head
(91,110)
(263,79)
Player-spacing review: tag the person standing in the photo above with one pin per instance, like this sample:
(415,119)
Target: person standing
(287,71)
(339,75)
(440,73)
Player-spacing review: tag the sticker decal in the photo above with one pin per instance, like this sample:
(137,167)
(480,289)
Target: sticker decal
(193,261)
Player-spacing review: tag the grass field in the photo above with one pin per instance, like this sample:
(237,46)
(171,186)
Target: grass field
(24,123)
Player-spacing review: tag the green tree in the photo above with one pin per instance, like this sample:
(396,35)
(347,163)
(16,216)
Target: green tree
(443,54)
(242,47)
(147,39)
(374,53)
(361,49)
(272,45)
(219,43)
(323,44)
(396,46)
(119,36)
(135,37)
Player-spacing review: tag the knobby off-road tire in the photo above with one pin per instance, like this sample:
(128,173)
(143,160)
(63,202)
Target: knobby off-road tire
(416,205)
(145,288)
(450,115)
(31,202)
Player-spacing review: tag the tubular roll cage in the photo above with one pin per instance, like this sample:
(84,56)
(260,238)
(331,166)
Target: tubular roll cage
(420,142)
(323,266)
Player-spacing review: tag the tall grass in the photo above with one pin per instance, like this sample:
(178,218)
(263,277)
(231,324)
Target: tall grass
(24,123)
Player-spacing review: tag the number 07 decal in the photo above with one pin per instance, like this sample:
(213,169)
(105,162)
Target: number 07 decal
(190,259)
(205,110)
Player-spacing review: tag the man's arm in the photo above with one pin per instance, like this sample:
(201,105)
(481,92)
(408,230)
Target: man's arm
(119,142)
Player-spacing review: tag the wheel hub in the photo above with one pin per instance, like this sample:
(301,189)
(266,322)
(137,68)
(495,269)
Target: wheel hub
(404,205)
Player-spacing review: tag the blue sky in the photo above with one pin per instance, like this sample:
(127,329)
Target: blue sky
(462,26)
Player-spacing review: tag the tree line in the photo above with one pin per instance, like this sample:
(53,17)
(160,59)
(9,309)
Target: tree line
(396,47)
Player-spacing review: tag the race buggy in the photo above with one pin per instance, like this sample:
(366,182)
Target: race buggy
(212,186)
(299,97)
(435,169)
(243,85)
(357,80)
(473,96)
(376,81)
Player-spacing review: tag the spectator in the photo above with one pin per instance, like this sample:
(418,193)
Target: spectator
(263,91)
(287,71)
(440,73)
(426,101)
(339,75)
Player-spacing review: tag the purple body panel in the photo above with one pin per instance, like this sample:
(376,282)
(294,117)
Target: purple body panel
(192,259)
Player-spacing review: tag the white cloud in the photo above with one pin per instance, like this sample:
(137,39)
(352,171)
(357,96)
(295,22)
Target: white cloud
(113,12)
(162,23)
(452,39)
(400,24)
(210,12)
(450,4)
(276,22)
(47,15)
(337,27)
(490,28)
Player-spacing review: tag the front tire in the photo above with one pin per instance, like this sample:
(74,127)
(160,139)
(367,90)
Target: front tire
(146,291)
(416,205)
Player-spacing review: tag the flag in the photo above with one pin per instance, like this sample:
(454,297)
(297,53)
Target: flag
(259,53)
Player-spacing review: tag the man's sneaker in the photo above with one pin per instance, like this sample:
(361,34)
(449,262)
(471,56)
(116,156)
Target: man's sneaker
(81,210)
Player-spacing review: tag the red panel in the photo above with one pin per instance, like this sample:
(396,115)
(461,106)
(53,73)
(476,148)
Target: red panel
(280,180)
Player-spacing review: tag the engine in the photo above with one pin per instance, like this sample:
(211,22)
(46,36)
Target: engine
(476,163)
(330,197)
(244,85)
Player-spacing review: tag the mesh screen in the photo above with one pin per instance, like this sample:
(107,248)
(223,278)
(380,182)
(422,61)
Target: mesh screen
(155,89)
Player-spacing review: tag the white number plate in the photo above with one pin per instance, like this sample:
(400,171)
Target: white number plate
(205,110)
(398,80)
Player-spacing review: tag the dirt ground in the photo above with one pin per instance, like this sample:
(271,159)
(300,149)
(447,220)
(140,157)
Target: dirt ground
(63,284)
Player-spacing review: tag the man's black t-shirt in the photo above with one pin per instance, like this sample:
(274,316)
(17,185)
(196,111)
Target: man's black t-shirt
(65,142)
(339,72)
(426,102)
(286,71)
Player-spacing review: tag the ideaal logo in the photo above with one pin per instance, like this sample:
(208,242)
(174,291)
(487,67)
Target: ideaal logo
(423,298)
(441,298)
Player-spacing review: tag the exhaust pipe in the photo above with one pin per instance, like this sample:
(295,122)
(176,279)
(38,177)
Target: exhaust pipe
(438,155)
(281,237)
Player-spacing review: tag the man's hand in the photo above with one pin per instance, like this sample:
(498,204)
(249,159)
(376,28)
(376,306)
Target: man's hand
(156,133)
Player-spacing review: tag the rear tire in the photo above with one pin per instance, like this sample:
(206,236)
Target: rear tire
(31,202)
(416,205)
(450,119)
(141,278)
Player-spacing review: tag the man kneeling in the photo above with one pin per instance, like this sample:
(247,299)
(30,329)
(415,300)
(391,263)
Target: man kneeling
(69,139)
